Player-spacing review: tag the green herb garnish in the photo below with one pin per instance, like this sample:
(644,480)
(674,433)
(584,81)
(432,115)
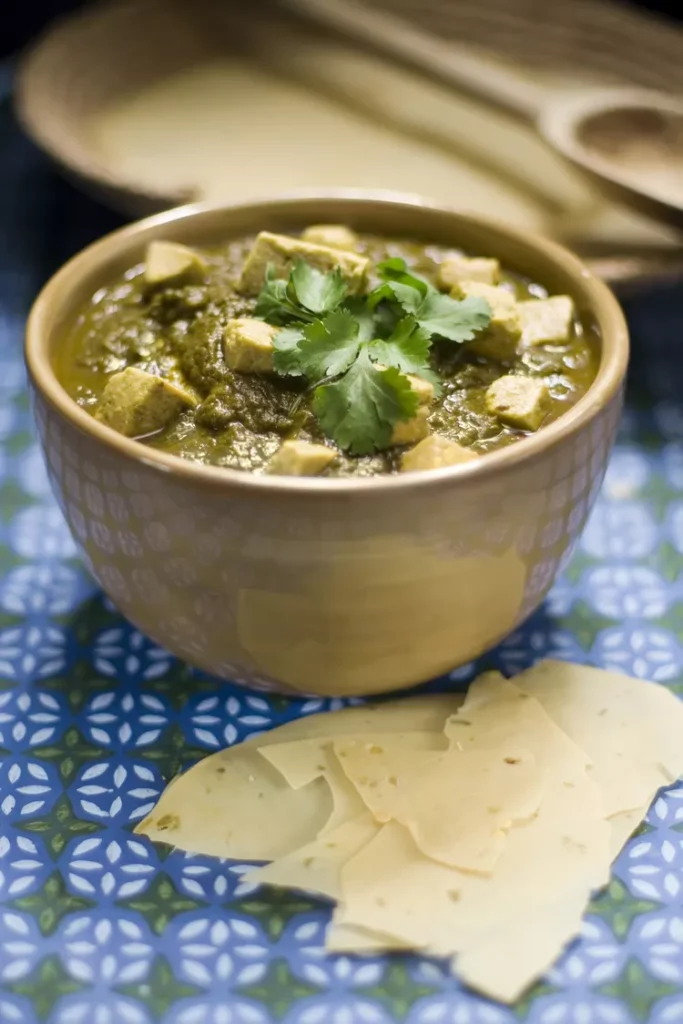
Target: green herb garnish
(356,352)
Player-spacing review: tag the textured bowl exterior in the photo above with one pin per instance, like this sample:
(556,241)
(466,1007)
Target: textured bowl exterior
(325,587)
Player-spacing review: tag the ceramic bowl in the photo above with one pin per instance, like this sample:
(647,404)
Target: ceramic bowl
(332,587)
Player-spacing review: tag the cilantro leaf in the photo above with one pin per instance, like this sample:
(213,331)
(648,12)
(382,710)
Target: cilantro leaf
(359,410)
(397,270)
(358,307)
(286,355)
(455,319)
(407,348)
(274,303)
(329,346)
(316,291)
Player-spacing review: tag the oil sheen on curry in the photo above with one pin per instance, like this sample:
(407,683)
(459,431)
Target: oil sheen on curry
(326,354)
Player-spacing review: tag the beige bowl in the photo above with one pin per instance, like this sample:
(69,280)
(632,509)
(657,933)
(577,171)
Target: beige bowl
(330,587)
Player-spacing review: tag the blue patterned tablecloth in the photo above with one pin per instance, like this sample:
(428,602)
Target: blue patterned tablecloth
(99,927)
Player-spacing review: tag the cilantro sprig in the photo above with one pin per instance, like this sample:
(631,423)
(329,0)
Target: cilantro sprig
(356,352)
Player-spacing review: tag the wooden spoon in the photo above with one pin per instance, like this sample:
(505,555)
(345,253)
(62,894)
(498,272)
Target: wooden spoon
(630,141)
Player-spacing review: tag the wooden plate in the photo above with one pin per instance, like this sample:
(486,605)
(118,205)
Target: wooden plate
(150,104)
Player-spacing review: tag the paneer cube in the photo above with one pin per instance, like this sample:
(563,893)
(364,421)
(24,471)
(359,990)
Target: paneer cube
(520,402)
(546,321)
(434,452)
(409,431)
(335,236)
(301,458)
(248,345)
(283,252)
(499,340)
(412,430)
(171,261)
(456,269)
(136,403)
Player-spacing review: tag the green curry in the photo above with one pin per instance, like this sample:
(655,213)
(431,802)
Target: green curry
(327,354)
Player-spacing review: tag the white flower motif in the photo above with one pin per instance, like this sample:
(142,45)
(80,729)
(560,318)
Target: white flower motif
(205,877)
(236,1012)
(464,673)
(627,473)
(124,718)
(652,867)
(672,463)
(583,1008)
(29,718)
(652,654)
(22,868)
(459,1008)
(595,959)
(107,950)
(121,792)
(26,787)
(348,1010)
(216,722)
(123,652)
(668,807)
(50,589)
(560,598)
(317,705)
(19,946)
(309,960)
(32,473)
(659,943)
(223,949)
(626,591)
(668,1011)
(40,531)
(113,868)
(89,1008)
(32,652)
(623,530)
(531,644)
(242,888)
(674,521)
(11,1012)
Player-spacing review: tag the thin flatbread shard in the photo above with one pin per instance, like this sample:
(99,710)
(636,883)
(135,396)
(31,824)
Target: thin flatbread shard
(301,761)
(390,886)
(344,938)
(458,806)
(316,866)
(631,729)
(508,960)
(235,804)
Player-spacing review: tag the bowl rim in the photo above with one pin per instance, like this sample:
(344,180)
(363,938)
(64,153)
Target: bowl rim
(605,387)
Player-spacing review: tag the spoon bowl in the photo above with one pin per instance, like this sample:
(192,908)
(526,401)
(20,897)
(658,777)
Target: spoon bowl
(628,140)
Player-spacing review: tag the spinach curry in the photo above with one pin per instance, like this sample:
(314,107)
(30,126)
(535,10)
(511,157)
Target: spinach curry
(328,354)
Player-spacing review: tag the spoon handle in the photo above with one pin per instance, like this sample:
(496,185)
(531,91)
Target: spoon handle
(444,61)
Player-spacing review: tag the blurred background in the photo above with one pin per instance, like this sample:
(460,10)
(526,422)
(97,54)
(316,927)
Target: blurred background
(28,18)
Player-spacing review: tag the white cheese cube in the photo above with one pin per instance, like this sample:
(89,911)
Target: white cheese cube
(301,458)
(520,402)
(136,403)
(283,253)
(335,236)
(499,340)
(434,452)
(248,345)
(456,269)
(546,321)
(171,261)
